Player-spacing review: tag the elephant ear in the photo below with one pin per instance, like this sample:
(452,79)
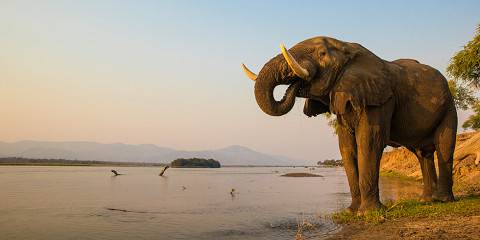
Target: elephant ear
(312,108)
(359,87)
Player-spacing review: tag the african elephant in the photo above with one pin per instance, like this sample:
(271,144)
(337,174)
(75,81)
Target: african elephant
(376,102)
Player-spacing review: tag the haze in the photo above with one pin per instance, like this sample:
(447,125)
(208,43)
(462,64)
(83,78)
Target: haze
(168,72)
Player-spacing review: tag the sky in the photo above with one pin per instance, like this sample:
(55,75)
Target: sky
(168,72)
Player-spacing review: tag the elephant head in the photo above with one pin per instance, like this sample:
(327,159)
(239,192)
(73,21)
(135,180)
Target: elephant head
(310,68)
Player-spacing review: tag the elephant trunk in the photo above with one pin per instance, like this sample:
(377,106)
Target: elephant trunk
(266,101)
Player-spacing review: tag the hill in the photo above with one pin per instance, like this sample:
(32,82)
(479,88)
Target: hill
(119,152)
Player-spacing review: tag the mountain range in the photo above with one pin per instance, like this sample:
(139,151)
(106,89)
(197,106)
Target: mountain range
(119,152)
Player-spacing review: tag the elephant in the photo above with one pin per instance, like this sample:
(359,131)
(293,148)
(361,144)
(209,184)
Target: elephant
(377,103)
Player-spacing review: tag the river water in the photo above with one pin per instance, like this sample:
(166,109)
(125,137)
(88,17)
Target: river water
(43,202)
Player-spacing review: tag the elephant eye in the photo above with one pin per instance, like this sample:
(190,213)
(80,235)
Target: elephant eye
(322,53)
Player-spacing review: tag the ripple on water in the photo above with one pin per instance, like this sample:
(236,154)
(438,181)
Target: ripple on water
(308,225)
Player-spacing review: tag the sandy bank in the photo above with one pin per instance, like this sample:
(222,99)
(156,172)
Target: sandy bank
(301,175)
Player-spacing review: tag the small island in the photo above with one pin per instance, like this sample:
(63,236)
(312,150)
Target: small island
(331,163)
(194,163)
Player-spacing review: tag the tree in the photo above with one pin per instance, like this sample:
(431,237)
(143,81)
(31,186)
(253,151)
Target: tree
(465,64)
(464,68)
(473,122)
(462,95)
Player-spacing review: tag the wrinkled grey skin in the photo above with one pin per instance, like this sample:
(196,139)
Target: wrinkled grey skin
(377,103)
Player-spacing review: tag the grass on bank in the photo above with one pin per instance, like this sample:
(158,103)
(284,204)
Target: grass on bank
(414,209)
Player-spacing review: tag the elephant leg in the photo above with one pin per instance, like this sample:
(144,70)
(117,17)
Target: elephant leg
(348,150)
(444,138)
(372,133)
(429,174)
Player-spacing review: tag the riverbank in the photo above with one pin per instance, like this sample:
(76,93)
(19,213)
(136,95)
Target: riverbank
(410,219)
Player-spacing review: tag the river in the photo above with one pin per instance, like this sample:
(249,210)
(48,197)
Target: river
(48,202)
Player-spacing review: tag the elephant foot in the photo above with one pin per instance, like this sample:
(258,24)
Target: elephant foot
(367,207)
(427,198)
(445,197)
(353,208)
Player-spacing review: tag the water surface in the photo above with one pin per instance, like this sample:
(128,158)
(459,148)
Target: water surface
(88,203)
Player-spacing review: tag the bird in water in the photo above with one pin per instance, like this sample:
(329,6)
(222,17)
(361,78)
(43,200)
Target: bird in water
(163,171)
(232,192)
(184,188)
(116,173)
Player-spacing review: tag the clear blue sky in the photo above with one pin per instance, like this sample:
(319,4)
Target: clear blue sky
(167,72)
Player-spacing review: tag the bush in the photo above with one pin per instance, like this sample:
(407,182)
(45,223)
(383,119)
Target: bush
(331,162)
(195,163)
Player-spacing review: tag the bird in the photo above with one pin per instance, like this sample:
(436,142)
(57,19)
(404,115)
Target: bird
(183,188)
(163,171)
(232,192)
(116,173)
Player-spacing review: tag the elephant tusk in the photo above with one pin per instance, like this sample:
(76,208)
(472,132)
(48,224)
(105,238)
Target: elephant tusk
(249,73)
(294,65)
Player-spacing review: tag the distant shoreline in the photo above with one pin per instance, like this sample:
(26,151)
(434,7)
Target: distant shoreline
(138,165)
(82,165)
(19,161)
